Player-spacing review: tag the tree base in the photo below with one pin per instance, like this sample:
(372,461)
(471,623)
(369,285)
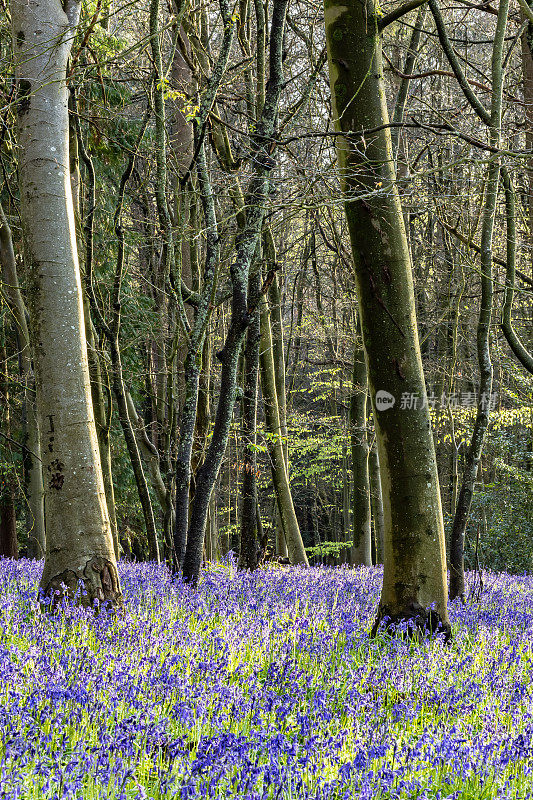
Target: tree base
(94,586)
(415,622)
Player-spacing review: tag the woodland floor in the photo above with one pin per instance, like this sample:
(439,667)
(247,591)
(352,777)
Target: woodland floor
(262,685)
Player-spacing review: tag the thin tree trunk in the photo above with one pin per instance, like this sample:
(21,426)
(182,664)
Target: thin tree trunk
(79,544)
(524,356)
(473,455)
(362,539)
(33,478)
(376,501)
(285,506)
(414,558)
(8,520)
(246,245)
(249,538)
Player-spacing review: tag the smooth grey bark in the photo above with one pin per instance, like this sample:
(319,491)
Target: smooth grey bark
(102,419)
(79,545)
(35,522)
(414,585)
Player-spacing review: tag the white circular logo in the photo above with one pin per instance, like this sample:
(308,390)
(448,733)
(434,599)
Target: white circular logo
(384,400)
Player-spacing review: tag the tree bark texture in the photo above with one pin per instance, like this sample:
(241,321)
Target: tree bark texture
(249,539)
(414,557)
(79,545)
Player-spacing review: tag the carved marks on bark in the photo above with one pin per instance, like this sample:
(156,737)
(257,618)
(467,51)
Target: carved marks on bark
(23,94)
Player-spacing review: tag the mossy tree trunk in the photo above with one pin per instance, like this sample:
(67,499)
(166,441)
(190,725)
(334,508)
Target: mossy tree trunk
(414,557)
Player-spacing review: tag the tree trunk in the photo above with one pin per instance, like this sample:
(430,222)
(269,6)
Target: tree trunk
(287,514)
(362,540)
(414,558)
(481,424)
(103,423)
(249,539)
(79,545)
(8,521)
(278,356)
(376,501)
(245,249)
(33,477)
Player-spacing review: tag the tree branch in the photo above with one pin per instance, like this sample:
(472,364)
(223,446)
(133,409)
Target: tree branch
(399,12)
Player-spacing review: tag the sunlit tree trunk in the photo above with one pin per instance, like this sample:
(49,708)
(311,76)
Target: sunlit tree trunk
(414,557)
(79,545)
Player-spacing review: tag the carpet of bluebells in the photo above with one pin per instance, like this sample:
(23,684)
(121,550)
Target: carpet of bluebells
(263,685)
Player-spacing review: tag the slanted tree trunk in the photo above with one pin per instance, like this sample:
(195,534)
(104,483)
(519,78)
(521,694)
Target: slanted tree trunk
(414,558)
(361,554)
(274,318)
(246,244)
(79,545)
(35,525)
(280,479)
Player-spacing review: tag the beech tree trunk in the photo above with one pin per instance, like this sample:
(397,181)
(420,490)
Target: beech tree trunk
(414,557)
(79,545)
